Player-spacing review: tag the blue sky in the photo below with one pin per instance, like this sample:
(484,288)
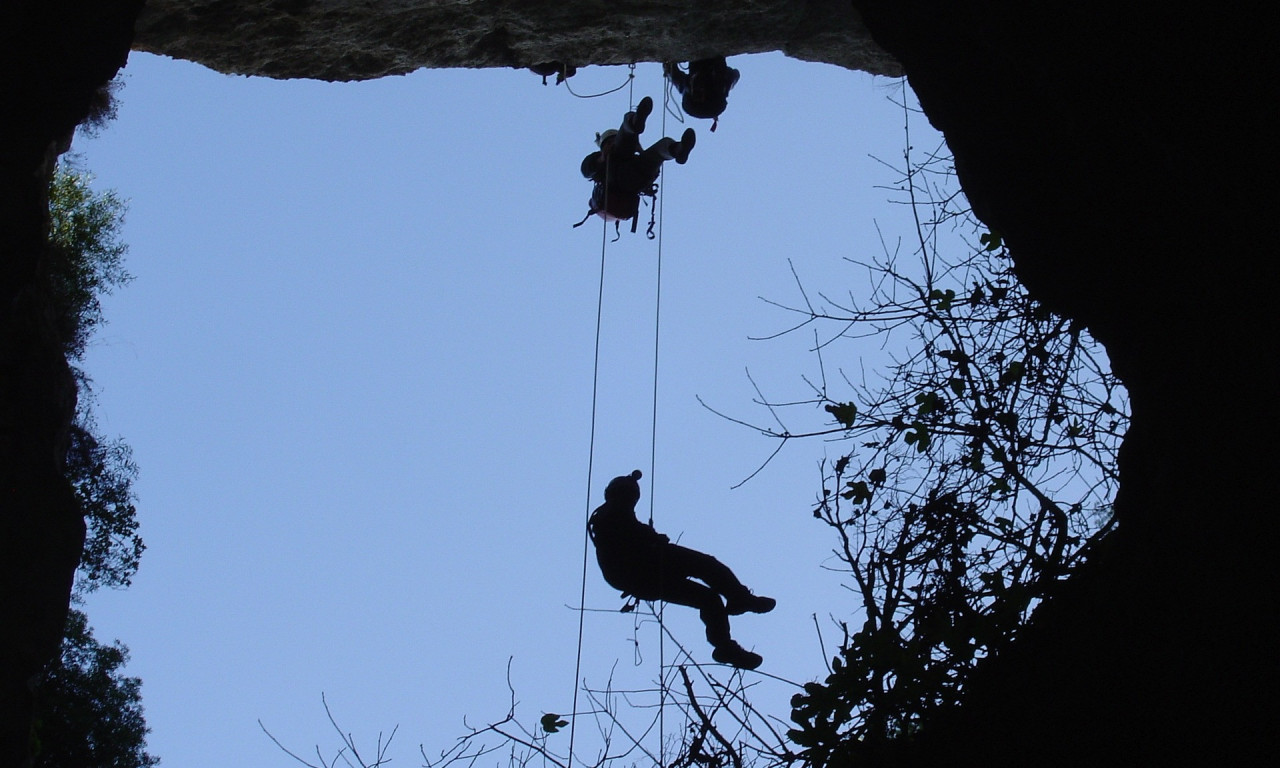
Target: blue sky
(355,367)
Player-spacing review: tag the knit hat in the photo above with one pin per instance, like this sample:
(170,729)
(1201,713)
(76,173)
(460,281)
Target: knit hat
(624,489)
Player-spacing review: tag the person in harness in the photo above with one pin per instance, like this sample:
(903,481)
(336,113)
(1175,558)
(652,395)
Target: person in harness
(622,172)
(705,88)
(644,564)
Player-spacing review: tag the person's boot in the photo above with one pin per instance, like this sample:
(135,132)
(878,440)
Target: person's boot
(681,149)
(635,120)
(736,656)
(749,603)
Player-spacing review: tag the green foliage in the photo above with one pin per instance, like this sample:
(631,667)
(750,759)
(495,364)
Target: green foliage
(85,255)
(102,475)
(88,714)
(103,107)
(85,261)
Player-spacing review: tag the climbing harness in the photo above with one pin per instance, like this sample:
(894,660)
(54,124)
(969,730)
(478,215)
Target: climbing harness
(612,208)
(617,205)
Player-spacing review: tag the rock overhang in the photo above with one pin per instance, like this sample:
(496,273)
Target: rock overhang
(340,40)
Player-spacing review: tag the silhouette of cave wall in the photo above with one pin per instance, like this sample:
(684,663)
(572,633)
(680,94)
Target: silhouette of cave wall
(1123,152)
(1101,139)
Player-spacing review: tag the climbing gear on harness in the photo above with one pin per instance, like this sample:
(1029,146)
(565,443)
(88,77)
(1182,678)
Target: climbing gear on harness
(619,206)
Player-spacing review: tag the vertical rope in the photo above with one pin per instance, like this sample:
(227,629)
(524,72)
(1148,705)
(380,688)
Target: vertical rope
(591,458)
(653,449)
(631,89)
(653,443)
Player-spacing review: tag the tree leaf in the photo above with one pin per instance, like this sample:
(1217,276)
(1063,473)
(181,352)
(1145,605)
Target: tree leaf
(844,413)
(552,723)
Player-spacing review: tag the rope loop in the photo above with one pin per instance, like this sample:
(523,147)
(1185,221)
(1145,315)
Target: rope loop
(630,79)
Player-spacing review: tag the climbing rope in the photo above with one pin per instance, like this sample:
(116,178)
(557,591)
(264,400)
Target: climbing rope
(669,104)
(591,457)
(653,440)
(631,76)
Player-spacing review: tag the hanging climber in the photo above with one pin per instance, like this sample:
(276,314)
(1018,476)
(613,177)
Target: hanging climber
(705,88)
(645,564)
(561,71)
(622,172)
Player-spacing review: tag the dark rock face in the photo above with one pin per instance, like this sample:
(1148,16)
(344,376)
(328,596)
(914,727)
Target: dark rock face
(56,53)
(334,40)
(1115,150)
(1097,138)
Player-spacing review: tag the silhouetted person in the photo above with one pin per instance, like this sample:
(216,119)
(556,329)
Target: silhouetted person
(622,171)
(705,88)
(645,564)
(561,71)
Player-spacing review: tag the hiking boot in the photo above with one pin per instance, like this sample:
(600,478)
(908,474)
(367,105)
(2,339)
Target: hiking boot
(680,152)
(736,656)
(749,603)
(636,119)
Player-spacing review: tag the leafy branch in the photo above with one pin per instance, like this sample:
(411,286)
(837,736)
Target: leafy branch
(976,469)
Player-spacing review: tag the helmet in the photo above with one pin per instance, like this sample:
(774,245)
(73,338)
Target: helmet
(601,138)
(624,489)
